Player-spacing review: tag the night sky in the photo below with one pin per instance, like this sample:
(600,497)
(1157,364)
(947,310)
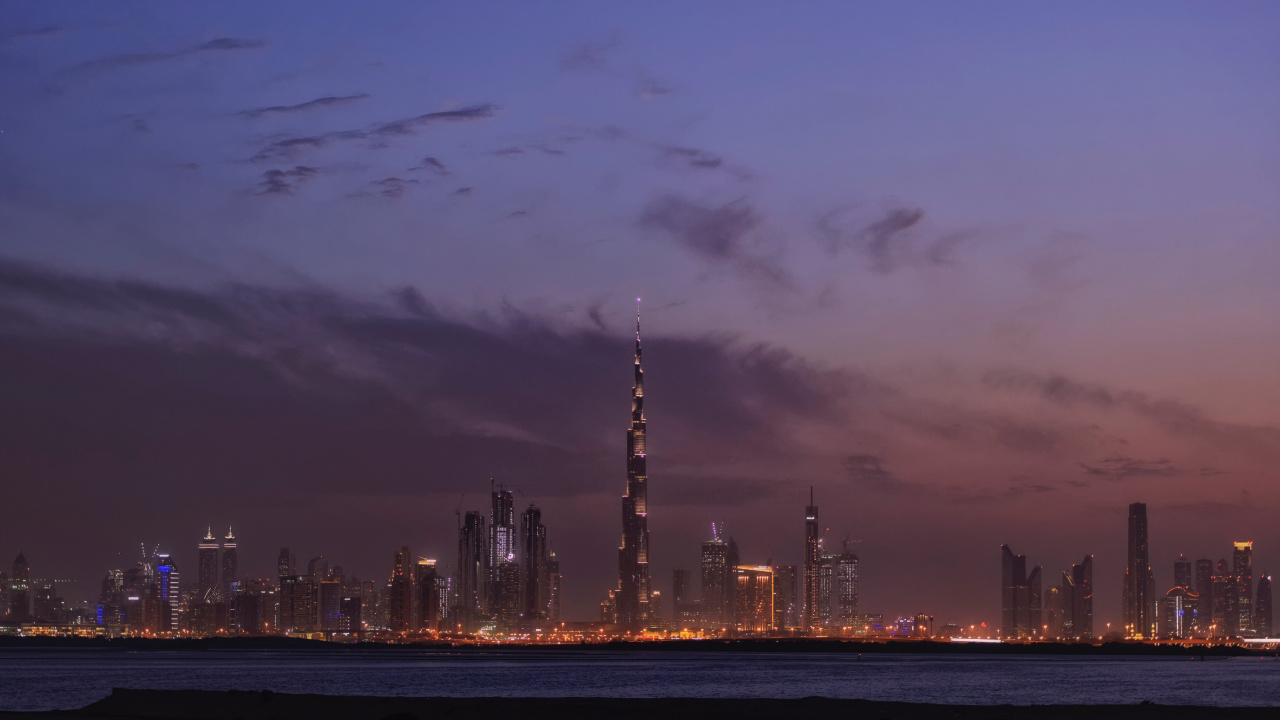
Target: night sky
(981,273)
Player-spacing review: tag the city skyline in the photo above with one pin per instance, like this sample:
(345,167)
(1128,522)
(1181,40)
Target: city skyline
(977,276)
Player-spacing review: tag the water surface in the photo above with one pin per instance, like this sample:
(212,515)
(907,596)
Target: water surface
(45,679)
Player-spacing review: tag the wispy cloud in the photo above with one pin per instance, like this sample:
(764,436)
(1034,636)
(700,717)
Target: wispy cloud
(392,188)
(719,235)
(432,164)
(284,182)
(289,148)
(317,104)
(1123,468)
(123,60)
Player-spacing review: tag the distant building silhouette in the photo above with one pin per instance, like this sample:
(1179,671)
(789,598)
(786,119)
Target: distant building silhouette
(786,602)
(473,570)
(631,601)
(426,595)
(207,589)
(230,566)
(1242,573)
(535,588)
(1262,608)
(1138,595)
(1223,614)
(811,614)
(20,590)
(1077,600)
(554,589)
(400,592)
(1021,601)
(1204,589)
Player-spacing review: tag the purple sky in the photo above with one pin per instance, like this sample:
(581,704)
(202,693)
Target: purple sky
(981,273)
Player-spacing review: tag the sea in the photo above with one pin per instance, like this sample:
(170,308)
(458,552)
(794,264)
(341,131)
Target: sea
(62,679)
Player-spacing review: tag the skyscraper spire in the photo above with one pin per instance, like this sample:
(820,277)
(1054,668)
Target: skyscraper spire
(632,598)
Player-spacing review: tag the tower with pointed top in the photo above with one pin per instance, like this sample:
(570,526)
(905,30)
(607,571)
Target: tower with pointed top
(633,555)
(230,565)
(207,568)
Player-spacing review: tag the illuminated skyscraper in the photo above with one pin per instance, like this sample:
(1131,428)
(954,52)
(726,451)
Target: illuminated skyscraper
(207,569)
(534,582)
(753,599)
(846,589)
(632,598)
(812,615)
(826,588)
(502,548)
(230,565)
(1139,601)
(1242,571)
(715,577)
(170,595)
(1262,608)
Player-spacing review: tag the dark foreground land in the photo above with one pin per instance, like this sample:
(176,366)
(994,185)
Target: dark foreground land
(235,705)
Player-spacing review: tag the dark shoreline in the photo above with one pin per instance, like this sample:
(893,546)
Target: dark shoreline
(231,705)
(761,645)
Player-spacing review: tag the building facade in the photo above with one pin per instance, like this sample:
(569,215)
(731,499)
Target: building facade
(631,601)
(1138,600)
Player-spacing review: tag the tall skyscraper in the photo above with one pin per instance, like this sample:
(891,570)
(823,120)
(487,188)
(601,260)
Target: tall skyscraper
(1021,597)
(170,595)
(753,599)
(1242,571)
(786,600)
(715,578)
(230,565)
(826,587)
(473,569)
(427,595)
(1204,588)
(632,598)
(1223,613)
(1182,574)
(502,548)
(400,592)
(207,568)
(1077,600)
(1262,608)
(329,601)
(20,590)
(554,579)
(1139,601)
(847,590)
(812,616)
(534,582)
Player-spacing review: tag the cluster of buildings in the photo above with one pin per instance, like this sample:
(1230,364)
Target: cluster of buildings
(1209,600)
(506,582)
